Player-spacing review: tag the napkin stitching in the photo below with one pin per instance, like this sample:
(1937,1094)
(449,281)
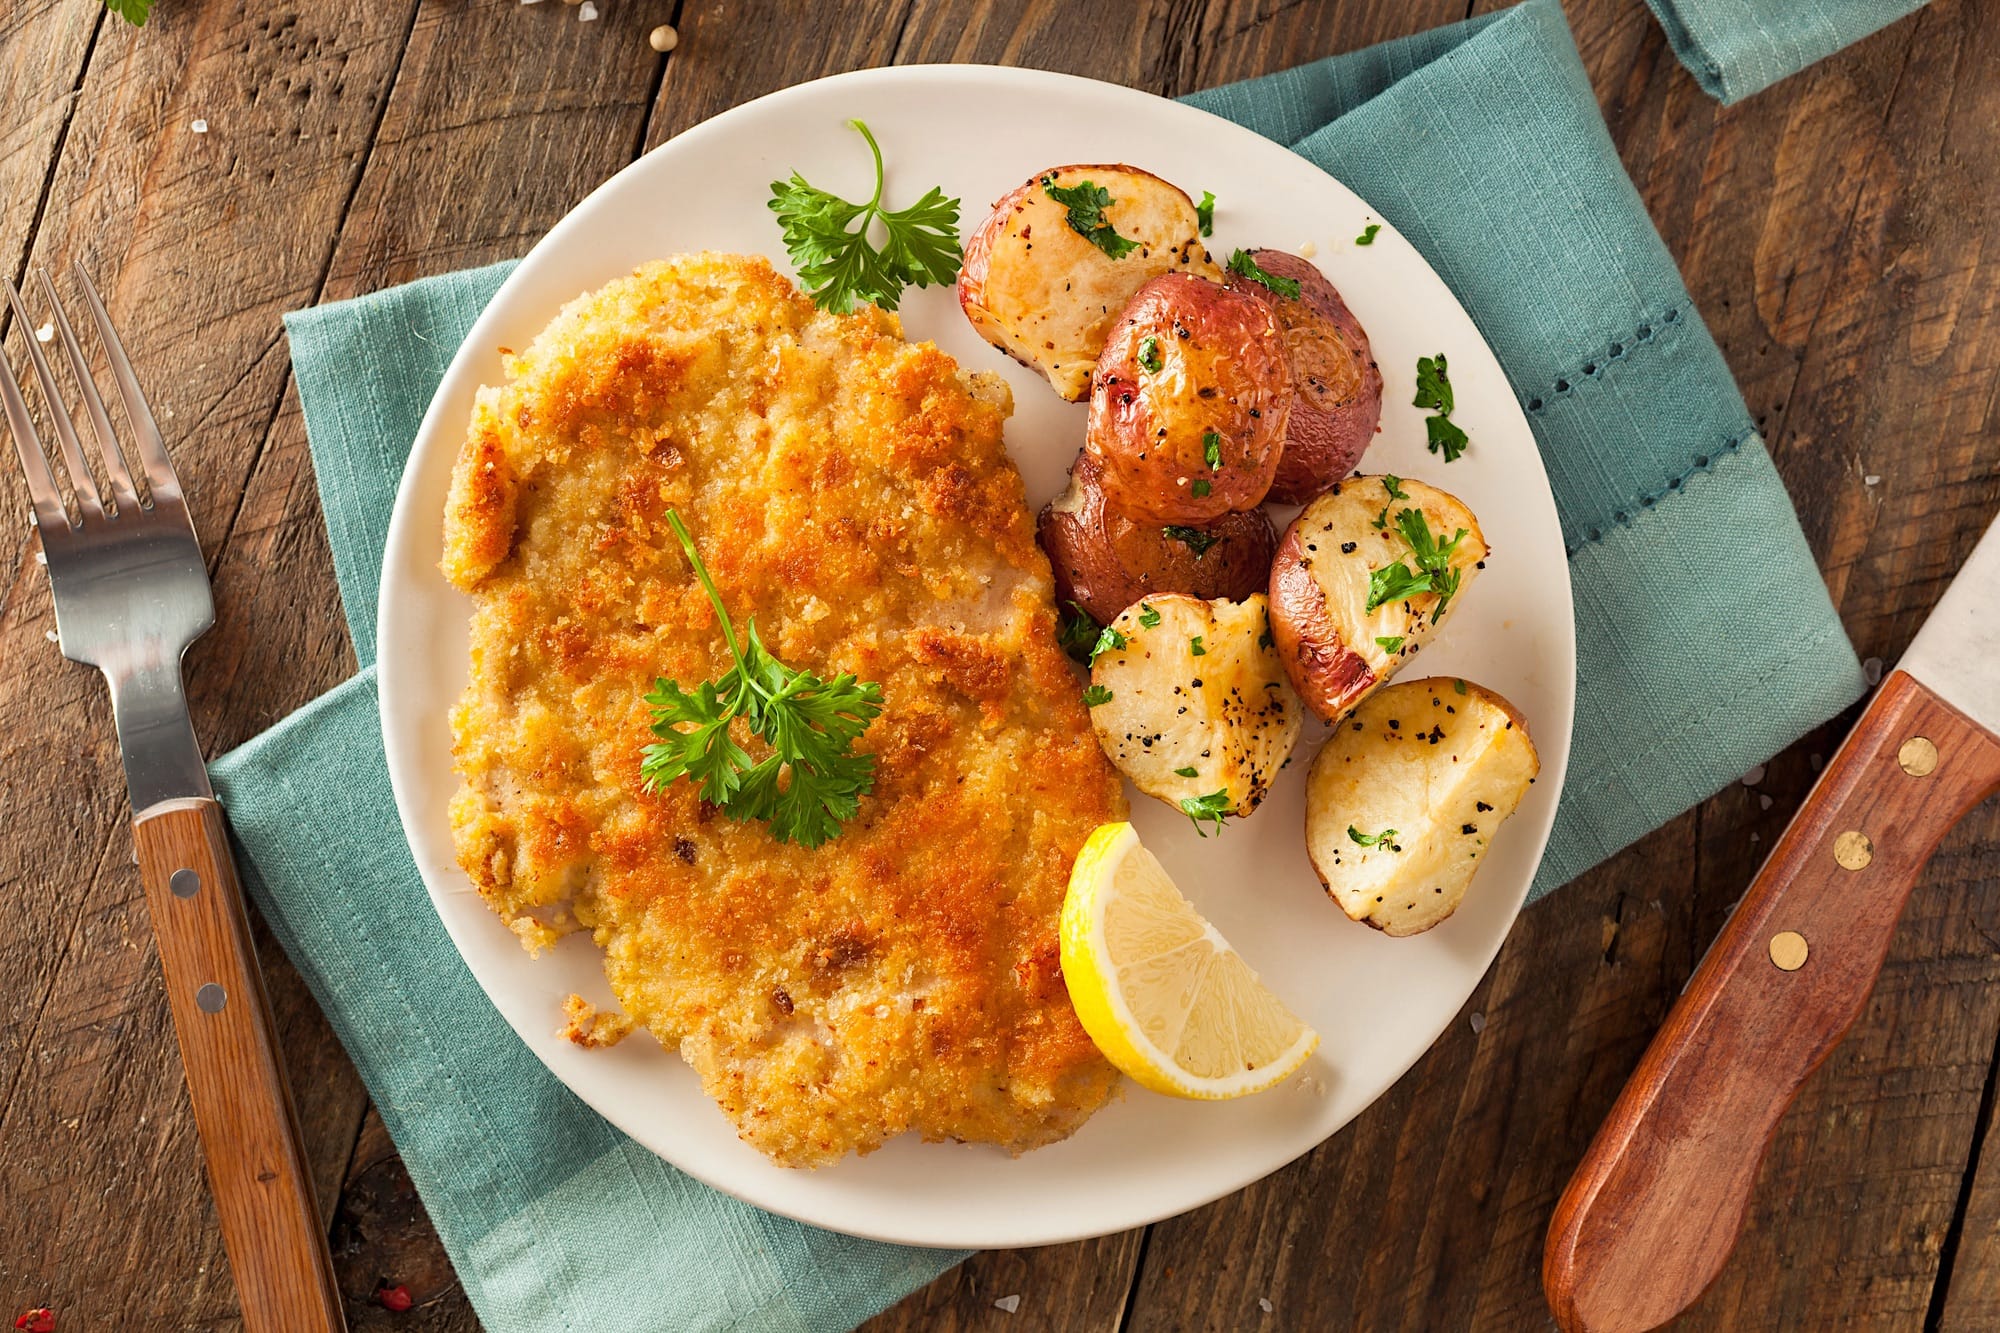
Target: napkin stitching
(1622,518)
(1597,367)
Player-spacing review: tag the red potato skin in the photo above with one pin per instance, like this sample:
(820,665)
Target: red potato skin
(1224,369)
(1104,561)
(1337,408)
(1328,675)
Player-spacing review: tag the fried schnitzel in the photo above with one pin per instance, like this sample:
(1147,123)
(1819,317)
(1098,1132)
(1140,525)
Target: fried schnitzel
(850,491)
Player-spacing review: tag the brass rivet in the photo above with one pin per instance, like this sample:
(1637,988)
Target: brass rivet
(1918,757)
(1853,850)
(1788,950)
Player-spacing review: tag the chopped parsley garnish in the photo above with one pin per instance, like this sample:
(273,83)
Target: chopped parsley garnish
(1189,772)
(1150,359)
(1094,695)
(1212,807)
(1243,266)
(1459,685)
(1148,617)
(1393,484)
(827,238)
(1211,449)
(1387,837)
(1201,488)
(1194,647)
(1086,202)
(809,723)
(1204,213)
(1193,538)
(1434,392)
(134,12)
(1367,236)
(1109,641)
(1390,644)
(1078,633)
(1433,574)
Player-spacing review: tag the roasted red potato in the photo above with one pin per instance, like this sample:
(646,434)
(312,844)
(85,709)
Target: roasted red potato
(1396,828)
(1046,290)
(1337,403)
(1189,403)
(1362,578)
(1104,561)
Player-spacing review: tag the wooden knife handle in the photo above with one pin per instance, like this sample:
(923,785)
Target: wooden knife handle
(1661,1195)
(242,1105)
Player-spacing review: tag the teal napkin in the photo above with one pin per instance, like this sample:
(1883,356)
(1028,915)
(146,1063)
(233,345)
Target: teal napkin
(1738,47)
(1706,643)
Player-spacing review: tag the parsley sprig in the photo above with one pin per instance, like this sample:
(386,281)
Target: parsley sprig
(1086,202)
(812,781)
(1434,572)
(1213,806)
(827,238)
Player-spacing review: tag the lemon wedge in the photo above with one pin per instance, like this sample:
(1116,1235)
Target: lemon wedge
(1158,988)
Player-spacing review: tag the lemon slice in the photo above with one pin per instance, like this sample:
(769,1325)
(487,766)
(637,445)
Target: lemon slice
(1158,988)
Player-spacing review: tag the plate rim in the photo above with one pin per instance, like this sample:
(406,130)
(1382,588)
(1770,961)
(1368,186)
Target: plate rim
(1555,758)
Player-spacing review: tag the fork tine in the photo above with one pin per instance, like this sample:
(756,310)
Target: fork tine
(50,516)
(160,475)
(122,489)
(80,478)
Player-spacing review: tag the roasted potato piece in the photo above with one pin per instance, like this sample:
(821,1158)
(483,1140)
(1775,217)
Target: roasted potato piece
(1336,558)
(1189,702)
(1104,561)
(1045,294)
(1405,796)
(1189,403)
(1337,403)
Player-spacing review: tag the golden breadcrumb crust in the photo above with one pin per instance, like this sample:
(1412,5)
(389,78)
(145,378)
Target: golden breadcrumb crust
(850,491)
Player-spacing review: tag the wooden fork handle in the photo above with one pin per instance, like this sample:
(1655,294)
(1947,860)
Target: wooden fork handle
(242,1105)
(1661,1195)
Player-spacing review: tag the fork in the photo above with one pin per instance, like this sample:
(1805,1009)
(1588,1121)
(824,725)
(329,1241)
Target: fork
(131,593)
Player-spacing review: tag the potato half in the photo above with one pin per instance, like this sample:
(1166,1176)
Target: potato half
(1190,400)
(1337,406)
(1335,649)
(1043,293)
(1191,701)
(1404,798)
(1104,561)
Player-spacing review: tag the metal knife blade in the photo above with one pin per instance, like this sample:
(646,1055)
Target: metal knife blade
(1957,652)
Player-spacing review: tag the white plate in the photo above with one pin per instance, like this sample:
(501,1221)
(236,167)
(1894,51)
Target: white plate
(1379,1003)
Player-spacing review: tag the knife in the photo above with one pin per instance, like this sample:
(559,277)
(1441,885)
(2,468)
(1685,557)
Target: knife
(1661,1196)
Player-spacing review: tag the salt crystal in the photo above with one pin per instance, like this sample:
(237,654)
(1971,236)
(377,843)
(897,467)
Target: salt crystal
(51,636)
(587,13)
(1308,250)
(42,558)
(1754,776)
(1763,802)
(1008,1303)
(46,332)
(1871,480)
(199,127)
(1478,1021)
(1871,670)
(1264,1304)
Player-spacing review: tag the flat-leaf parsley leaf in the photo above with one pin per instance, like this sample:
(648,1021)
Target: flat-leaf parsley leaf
(1212,807)
(812,781)
(1086,202)
(827,238)
(132,11)
(1193,538)
(1385,838)
(1093,695)
(1204,213)
(1434,392)
(1367,236)
(1243,266)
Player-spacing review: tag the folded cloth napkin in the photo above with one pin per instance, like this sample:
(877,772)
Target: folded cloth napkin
(1482,143)
(1738,47)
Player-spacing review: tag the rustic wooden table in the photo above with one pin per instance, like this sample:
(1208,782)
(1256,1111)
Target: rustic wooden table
(1835,231)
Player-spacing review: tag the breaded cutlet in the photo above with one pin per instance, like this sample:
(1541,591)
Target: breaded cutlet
(849,490)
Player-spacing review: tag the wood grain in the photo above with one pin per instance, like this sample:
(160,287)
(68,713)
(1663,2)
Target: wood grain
(257,1169)
(1661,1194)
(1833,230)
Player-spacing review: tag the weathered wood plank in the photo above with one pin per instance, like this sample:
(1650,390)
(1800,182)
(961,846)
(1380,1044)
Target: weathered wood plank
(195,239)
(43,47)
